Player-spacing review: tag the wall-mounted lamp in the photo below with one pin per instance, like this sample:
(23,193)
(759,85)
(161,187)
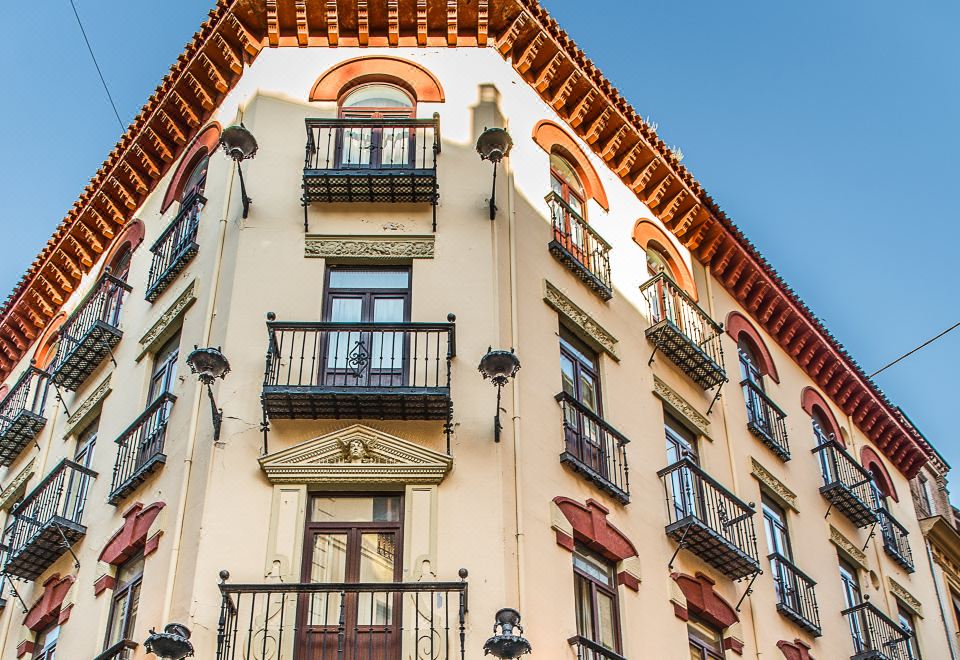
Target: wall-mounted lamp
(240,145)
(173,643)
(507,641)
(210,364)
(494,144)
(499,366)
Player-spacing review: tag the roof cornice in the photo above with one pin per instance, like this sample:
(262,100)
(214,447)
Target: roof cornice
(544,55)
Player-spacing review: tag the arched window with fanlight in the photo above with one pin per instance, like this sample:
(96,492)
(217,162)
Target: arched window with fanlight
(196,180)
(381,140)
(568,207)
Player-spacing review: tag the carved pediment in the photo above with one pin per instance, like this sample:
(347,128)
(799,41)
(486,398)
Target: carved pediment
(356,454)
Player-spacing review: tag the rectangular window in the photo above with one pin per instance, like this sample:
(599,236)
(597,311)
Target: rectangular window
(706,643)
(580,370)
(905,619)
(596,599)
(775,526)
(46,646)
(126,602)
(681,443)
(926,495)
(164,368)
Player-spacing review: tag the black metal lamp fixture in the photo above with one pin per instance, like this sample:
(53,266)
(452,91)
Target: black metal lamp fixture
(507,641)
(494,144)
(210,364)
(173,642)
(240,145)
(499,366)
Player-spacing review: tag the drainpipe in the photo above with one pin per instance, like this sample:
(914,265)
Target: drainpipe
(940,605)
(198,399)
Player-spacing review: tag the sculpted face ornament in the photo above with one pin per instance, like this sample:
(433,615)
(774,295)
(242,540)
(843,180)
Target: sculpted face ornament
(356,450)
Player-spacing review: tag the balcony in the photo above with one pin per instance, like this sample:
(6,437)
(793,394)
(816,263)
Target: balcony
(875,636)
(709,521)
(90,333)
(594,449)
(765,420)
(846,484)
(47,522)
(21,414)
(895,541)
(125,649)
(796,598)
(344,621)
(589,650)
(175,247)
(359,370)
(140,449)
(684,332)
(372,160)
(577,246)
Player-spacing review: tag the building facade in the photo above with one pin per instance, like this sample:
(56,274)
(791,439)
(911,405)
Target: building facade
(687,464)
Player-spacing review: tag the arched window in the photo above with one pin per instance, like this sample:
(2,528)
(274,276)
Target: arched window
(120,264)
(567,208)
(749,363)
(197,179)
(662,255)
(565,183)
(657,262)
(381,145)
(48,343)
(191,172)
(377,100)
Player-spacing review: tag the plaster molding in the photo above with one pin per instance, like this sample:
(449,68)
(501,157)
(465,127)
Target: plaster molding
(849,548)
(354,455)
(89,407)
(159,330)
(681,406)
(369,247)
(904,596)
(8,496)
(776,487)
(592,331)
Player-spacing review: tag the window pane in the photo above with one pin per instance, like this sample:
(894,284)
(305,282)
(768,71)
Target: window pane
(355,509)
(328,564)
(584,607)
(377,561)
(595,567)
(377,96)
(567,372)
(588,392)
(342,278)
(606,620)
(566,172)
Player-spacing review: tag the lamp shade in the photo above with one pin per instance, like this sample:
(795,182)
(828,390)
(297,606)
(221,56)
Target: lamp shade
(238,142)
(208,363)
(494,144)
(173,643)
(499,366)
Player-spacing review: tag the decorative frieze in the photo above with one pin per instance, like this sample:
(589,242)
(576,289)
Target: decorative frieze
(681,406)
(160,330)
(90,406)
(10,494)
(774,485)
(580,319)
(369,247)
(848,547)
(904,596)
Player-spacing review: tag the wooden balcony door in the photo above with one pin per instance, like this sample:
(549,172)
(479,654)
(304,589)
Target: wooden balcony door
(338,550)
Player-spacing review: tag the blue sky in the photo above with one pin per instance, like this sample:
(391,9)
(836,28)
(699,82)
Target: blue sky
(827,131)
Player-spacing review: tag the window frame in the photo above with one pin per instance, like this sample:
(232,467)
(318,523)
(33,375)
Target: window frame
(164,368)
(905,618)
(595,586)
(708,649)
(46,651)
(579,354)
(127,592)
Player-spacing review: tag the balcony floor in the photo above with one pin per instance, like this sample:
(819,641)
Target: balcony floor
(21,432)
(133,482)
(689,357)
(851,506)
(86,356)
(711,547)
(370,185)
(904,562)
(598,479)
(760,434)
(580,269)
(799,619)
(170,273)
(283,402)
(45,548)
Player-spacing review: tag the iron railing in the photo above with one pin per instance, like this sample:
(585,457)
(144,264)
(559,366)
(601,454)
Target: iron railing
(125,649)
(140,448)
(766,420)
(876,636)
(587,649)
(709,520)
(175,246)
(796,598)
(343,621)
(594,448)
(47,520)
(21,413)
(895,541)
(846,484)
(363,143)
(579,247)
(683,331)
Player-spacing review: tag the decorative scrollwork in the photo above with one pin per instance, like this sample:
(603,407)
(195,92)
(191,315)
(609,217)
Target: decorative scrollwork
(358,359)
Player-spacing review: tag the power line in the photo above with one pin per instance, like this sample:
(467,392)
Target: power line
(94,58)
(909,353)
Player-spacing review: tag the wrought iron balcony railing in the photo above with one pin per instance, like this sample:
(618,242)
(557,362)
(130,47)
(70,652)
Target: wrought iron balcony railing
(895,541)
(21,413)
(796,598)
(587,649)
(875,636)
(708,520)
(333,370)
(846,484)
(140,448)
(683,332)
(175,247)
(90,333)
(594,448)
(371,160)
(765,420)
(125,649)
(579,247)
(47,522)
(343,621)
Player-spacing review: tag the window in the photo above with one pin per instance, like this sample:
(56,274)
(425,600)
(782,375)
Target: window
(126,602)
(775,527)
(164,369)
(381,145)
(778,543)
(706,642)
(580,370)
(566,184)
(569,214)
(821,437)
(46,646)
(850,585)
(905,619)
(197,180)
(79,483)
(376,100)
(926,495)
(681,444)
(749,364)
(596,593)
(657,262)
